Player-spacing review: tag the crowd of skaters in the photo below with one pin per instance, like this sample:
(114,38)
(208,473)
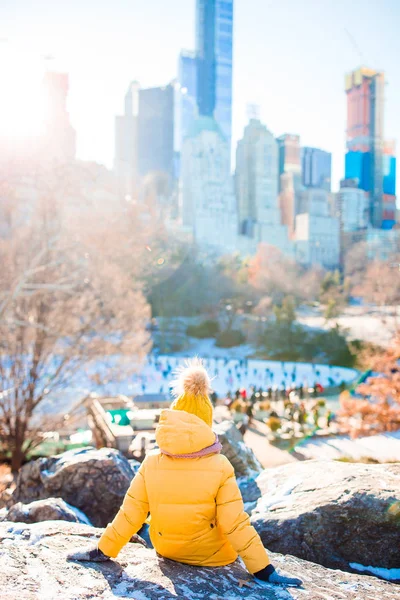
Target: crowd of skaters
(277,378)
(286,406)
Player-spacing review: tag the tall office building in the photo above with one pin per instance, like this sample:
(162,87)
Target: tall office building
(144,136)
(365,137)
(186,100)
(156,130)
(389,216)
(290,184)
(126,143)
(208,201)
(59,135)
(317,233)
(257,176)
(214,40)
(289,154)
(352,207)
(316,168)
(256,182)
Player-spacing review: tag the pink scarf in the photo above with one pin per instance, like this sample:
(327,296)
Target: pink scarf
(215,448)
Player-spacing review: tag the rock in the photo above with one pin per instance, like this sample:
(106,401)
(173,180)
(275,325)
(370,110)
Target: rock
(332,513)
(6,498)
(51,509)
(241,456)
(250,492)
(33,566)
(95,481)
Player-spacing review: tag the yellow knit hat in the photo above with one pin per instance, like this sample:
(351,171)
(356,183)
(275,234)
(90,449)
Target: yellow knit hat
(191,389)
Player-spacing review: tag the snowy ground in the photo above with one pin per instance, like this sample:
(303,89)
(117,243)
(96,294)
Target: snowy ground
(372,324)
(388,574)
(231,374)
(228,374)
(382,447)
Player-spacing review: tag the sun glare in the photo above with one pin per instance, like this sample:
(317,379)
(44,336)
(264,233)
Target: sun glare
(22,103)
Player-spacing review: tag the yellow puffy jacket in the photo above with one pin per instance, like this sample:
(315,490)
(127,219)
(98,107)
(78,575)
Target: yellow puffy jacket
(196,508)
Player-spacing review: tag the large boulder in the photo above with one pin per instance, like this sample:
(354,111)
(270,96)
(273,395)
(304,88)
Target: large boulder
(241,456)
(332,513)
(95,481)
(33,566)
(51,509)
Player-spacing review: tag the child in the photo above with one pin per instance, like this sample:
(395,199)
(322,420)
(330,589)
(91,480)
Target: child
(190,490)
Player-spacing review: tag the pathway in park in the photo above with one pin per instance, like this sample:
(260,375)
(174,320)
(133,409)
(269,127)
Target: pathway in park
(268,455)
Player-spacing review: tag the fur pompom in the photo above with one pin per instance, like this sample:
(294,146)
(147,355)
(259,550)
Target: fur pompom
(192,379)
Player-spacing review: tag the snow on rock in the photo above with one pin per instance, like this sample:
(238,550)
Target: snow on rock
(40,571)
(331,512)
(49,509)
(94,481)
(383,447)
(388,574)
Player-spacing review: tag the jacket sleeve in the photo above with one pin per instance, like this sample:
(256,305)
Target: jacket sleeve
(235,523)
(130,517)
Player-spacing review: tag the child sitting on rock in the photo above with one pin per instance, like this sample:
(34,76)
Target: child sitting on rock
(190,490)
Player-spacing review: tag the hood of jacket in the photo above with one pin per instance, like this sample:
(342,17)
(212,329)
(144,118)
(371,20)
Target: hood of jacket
(181,433)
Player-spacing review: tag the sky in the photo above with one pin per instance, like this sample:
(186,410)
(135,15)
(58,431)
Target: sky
(290,58)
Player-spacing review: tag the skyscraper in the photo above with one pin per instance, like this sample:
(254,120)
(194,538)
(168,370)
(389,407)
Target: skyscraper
(144,135)
(208,201)
(186,102)
(60,136)
(365,117)
(289,154)
(156,130)
(389,185)
(289,162)
(214,39)
(126,142)
(316,167)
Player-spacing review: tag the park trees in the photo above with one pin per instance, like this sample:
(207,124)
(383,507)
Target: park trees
(375,407)
(69,297)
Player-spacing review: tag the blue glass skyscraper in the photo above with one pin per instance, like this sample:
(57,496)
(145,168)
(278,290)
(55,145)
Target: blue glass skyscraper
(214,40)
(186,98)
(316,166)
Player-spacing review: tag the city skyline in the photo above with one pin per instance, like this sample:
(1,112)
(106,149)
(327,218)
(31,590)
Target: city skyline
(311,102)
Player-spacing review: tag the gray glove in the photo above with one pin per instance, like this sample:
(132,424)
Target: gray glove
(90,554)
(269,575)
(277,579)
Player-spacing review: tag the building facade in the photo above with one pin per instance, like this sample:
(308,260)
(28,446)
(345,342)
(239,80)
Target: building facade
(317,232)
(214,46)
(126,143)
(186,100)
(316,167)
(256,185)
(289,154)
(156,130)
(208,200)
(389,217)
(59,136)
(352,208)
(365,141)
(144,136)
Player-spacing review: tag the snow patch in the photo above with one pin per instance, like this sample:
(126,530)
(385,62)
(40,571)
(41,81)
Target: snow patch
(388,574)
(121,591)
(81,516)
(383,447)
(280,497)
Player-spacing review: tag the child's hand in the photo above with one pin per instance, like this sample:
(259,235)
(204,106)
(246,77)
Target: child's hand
(90,555)
(271,576)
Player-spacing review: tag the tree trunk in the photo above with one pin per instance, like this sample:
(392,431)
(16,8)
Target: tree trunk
(17,459)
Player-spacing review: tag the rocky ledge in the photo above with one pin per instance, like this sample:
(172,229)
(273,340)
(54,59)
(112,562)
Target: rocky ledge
(33,566)
(331,512)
